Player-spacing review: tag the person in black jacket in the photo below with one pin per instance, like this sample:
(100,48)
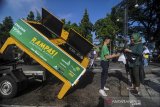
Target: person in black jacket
(134,57)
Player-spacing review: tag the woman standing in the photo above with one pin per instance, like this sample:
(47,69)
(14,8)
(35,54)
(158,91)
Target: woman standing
(135,61)
(105,56)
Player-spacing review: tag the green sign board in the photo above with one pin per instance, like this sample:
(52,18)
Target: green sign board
(47,51)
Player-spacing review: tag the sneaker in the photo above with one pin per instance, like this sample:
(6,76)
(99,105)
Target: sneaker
(102,92)
(106,89)
(135,92)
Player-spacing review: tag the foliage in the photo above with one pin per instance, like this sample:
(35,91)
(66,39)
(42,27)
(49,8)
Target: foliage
(117,18)
(38,17)
(30,16)
(146,16)
(85,25)
(89,38)
(1,29)
(68,25)
(5,27)
(106,27)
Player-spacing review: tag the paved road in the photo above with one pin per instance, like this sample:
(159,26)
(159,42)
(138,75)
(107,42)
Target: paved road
(85,93)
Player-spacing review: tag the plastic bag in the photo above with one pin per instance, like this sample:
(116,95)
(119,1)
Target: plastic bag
(122,58)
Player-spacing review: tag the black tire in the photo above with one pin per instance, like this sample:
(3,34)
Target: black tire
(8,87)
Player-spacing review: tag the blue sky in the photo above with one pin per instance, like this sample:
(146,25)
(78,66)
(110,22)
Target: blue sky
(71,10)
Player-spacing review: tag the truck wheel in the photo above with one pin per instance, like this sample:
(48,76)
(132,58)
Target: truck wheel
(8,87)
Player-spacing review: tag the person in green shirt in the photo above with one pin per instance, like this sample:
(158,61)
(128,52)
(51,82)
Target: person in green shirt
(105,56)
(135,61)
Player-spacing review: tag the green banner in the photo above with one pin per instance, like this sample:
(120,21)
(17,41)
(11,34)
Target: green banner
(47,51)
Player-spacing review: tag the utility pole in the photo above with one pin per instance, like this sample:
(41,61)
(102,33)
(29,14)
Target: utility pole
(126,18)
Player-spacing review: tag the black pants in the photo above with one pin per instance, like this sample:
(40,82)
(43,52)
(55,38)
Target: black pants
(135,75)
(104,73)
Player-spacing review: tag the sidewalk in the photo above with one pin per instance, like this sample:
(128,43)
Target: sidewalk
(152,67)
(150,90)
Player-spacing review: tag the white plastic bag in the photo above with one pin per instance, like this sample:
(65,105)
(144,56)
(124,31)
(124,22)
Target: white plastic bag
(122,58)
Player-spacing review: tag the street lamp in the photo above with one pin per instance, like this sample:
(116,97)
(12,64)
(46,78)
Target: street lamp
(117,20)
(136,5)
(126,17)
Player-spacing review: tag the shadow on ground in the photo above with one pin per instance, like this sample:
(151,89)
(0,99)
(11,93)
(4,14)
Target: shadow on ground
(118,74)
(156,73)
(153,85)
(101,102)
(32,85)
(85,80)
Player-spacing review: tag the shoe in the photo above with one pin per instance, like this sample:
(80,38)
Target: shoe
(102,92)
(106,89)
(135,92)
(138,92)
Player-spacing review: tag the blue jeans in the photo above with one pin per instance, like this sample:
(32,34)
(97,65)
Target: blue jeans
(104,73)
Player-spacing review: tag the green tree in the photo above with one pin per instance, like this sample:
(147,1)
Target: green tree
(146,16)
(105,27)
(5,27)
(38,17)
(117,18)
(68,25)
(0,32)
(84,29)
(76,27)
(89,38)
(1,28)
(85,25)
(30,16)
(7,23)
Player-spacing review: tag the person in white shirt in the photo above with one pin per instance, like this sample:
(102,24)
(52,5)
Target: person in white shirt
(145,56)
(92,58)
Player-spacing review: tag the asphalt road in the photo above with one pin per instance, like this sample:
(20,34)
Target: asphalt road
(85,93)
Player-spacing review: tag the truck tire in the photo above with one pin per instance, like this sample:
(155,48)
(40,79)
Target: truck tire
(8,87)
